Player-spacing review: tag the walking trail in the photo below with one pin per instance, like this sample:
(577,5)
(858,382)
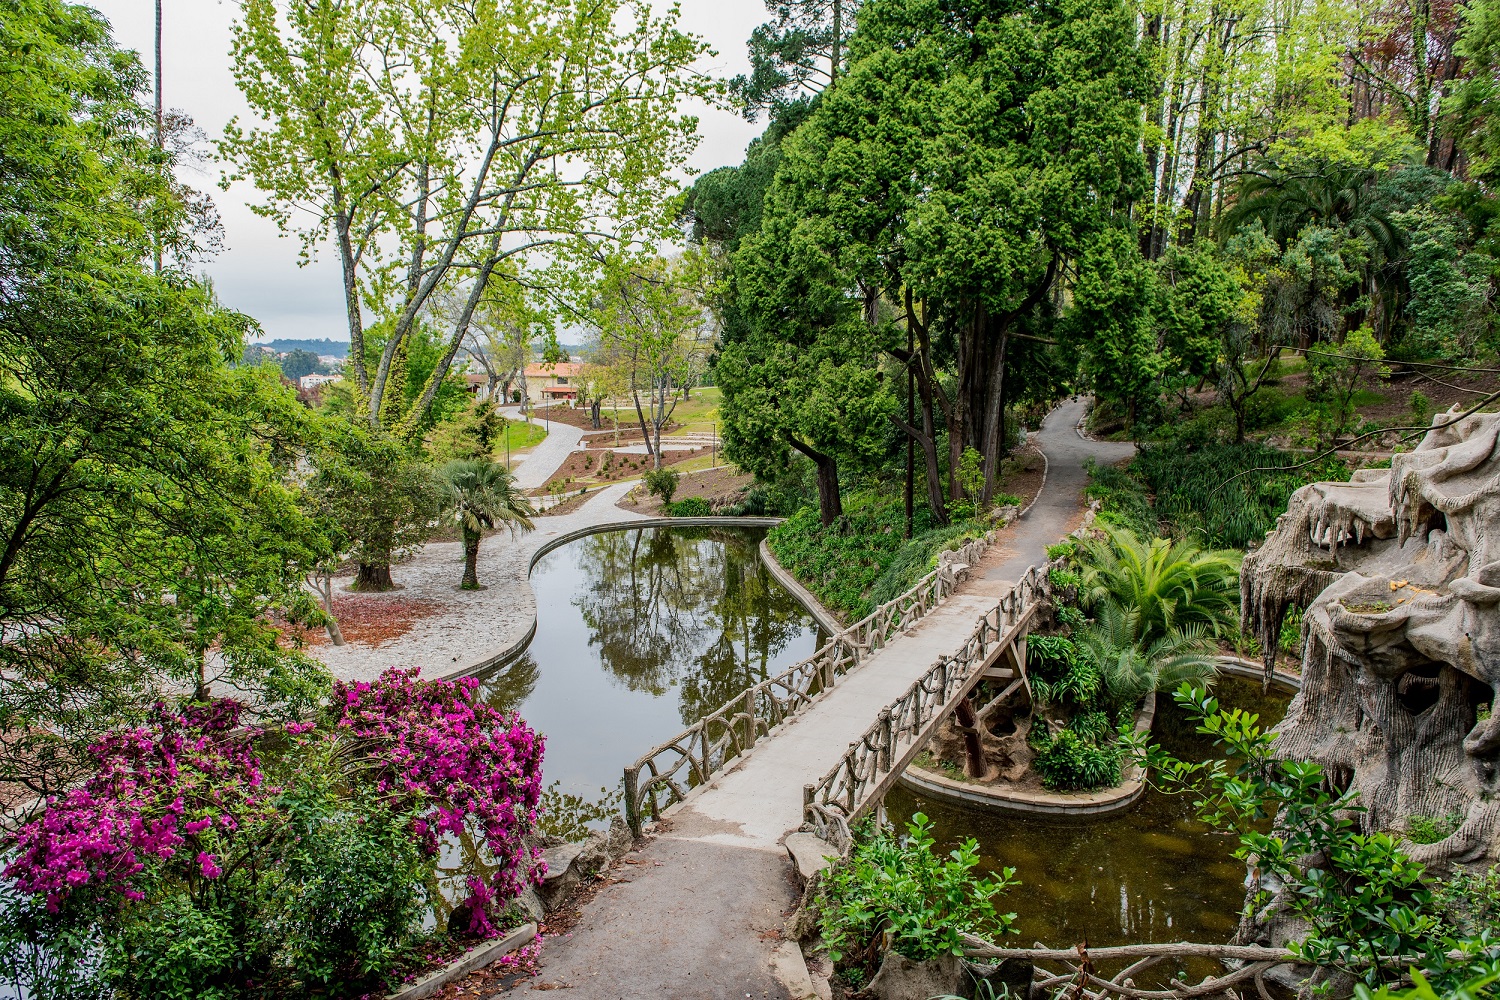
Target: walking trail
(697,910)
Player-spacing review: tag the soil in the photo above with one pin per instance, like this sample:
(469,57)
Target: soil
(721,487)
(1021,474)
(605,467)
(373,619)
(580,417)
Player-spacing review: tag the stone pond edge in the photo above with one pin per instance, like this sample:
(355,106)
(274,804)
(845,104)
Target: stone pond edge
(1102,803)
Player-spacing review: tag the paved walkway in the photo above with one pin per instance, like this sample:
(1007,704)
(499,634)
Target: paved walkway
(537,466)
(698,912)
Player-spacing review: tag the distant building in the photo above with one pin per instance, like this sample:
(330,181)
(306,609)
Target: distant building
(331,361)
(313,381)
(553,383)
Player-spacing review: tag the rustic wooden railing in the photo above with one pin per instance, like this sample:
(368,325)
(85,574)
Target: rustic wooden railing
(875,760)
(666,773)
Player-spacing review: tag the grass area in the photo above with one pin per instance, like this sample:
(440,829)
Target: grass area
(699,413)
(518,436)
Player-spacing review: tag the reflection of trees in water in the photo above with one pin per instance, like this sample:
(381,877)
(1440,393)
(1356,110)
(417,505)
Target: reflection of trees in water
(692,608)
(505,687)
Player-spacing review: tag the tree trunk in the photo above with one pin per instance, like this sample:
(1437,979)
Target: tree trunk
(594,414)
(830,504)
(322,582)
(640,415)
(968,724)
(373,577)
(994,409)
(471,560)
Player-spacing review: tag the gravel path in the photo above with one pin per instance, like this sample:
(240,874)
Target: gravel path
(476,626)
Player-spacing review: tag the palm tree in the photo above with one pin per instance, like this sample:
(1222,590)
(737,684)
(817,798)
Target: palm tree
(1129,668)
(1168,585)
(481,494)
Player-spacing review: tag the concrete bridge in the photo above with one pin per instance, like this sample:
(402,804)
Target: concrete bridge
(698,910)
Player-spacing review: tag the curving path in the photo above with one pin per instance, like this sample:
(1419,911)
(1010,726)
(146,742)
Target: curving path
(698,910)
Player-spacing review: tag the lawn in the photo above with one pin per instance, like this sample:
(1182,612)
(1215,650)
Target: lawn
(698,413)
(518,436)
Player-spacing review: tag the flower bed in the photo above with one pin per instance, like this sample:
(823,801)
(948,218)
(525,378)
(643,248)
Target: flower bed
(206,859)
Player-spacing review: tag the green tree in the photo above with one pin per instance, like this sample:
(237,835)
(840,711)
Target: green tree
(380,498)
(443,145)
(1130,668)
(800,51)
(481,495)
(148,533)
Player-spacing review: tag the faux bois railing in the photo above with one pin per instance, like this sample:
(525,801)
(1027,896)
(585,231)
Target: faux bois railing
(874,761)
(666,773)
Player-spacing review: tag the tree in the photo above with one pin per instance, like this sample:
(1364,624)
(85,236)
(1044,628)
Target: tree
(958,163)
(1130,667)
(298,363)
(440,145)
(481,494)
(148,532)
(787,53)
(653,322)
(381,499)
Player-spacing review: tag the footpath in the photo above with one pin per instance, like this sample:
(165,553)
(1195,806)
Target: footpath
(697,909)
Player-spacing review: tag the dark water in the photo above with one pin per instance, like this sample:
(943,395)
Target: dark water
(1153,873)
(639,634)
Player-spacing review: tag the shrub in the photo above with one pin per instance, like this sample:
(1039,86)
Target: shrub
(209,860)
(899,889)
(1167,584)
(1122,499)
(662,483)
(1068,762)
(691,507)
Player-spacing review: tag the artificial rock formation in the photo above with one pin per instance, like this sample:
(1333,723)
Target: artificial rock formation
(1399,573)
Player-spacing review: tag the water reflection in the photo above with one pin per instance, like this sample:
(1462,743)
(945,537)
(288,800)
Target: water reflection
(1152,874)
(640,633)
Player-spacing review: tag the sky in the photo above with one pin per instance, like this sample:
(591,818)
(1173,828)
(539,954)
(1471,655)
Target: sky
(258,271)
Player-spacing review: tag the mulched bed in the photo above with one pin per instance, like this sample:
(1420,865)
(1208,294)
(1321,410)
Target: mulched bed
(720,487)
(1021,474)
(374,619)
(605,467)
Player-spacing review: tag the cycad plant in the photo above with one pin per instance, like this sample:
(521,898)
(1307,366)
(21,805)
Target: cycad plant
(1167,585)
(482,494)
(1130,668)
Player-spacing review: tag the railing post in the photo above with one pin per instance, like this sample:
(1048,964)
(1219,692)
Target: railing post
(632,808)
(883,758)
(750,728)
(809,793)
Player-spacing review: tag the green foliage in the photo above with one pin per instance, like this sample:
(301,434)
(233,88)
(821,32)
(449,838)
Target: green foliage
(1161,585)
(1364,901)
(1201,492)
(1431,829)
(1122,499)
(1131,666)
(1334,376)
(474,432)
(1289,640)
(1072,762)
(380,499)
(1059,676)
(898,892)
(662,483)
(691,507)
(1471,899)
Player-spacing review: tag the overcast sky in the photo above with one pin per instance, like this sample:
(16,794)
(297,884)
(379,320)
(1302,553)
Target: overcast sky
(258,272)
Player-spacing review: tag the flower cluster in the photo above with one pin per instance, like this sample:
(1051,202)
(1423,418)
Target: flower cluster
(459,760)
(181,779)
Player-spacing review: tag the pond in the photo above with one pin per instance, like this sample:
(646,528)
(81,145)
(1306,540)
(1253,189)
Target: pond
(640,633)
(1154,873)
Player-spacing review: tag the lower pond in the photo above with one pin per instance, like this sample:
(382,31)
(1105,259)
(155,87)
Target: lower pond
(1152,873)
(639,634)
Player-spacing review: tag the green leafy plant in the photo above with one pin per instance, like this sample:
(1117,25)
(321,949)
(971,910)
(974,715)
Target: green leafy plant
(1431,829)
(662,483)
(898,893)
(1070,762)
(691,507)
(1166,584)
(1367,906)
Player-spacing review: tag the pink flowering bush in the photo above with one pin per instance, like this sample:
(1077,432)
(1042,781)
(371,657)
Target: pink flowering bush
(211,861)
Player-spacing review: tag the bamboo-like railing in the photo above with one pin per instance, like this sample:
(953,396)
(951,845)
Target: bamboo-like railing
(874,761)
(666,773)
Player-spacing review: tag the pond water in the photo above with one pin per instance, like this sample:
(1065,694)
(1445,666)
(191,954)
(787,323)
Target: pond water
(1154,873)
(639,634)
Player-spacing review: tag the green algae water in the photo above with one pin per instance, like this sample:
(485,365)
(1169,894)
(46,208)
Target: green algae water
(640,633)
(1153,873)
